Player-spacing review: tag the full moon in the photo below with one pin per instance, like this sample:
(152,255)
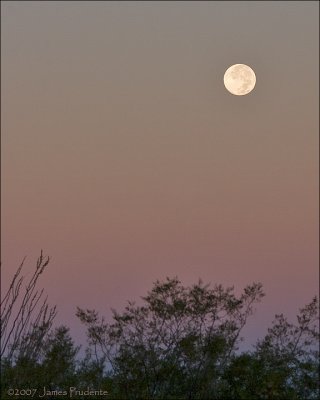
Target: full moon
(239,79)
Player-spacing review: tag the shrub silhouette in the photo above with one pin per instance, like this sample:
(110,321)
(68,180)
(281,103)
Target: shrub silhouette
(181,343)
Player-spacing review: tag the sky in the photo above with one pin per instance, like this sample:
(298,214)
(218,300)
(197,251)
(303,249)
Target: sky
(126,160)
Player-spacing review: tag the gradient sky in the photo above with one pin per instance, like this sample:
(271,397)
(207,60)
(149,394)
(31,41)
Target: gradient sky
(126,160)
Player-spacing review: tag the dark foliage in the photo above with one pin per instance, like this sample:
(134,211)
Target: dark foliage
(181,343)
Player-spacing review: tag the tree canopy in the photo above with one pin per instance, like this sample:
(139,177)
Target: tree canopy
(179,343)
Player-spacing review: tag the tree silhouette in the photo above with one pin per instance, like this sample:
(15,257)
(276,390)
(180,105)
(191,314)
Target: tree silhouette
(178,343)
(26,317)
